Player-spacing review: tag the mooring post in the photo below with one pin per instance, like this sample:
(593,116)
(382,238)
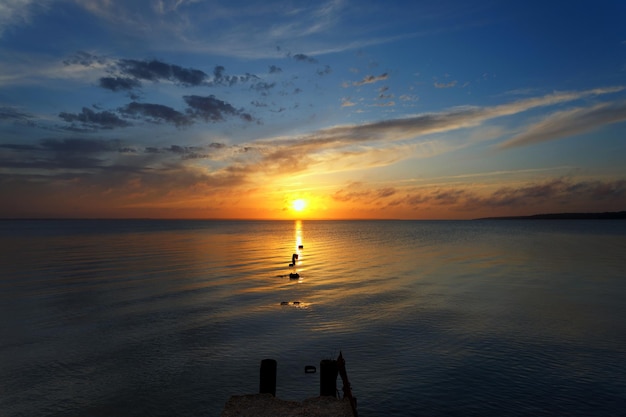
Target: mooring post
(268,377)
(328,377)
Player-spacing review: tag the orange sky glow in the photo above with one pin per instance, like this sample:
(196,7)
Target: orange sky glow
(195,118)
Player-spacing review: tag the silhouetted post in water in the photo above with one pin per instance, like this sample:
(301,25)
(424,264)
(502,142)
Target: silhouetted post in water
(268,377)
(328,377)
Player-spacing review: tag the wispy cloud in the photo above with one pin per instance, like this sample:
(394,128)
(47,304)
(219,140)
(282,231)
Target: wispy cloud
(445,85)
(95,120)
(370,79)
(18,12)
(568,123)
(552,194)
(14,114)
(334,149)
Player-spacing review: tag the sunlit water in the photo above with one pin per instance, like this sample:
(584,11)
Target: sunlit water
(171,318)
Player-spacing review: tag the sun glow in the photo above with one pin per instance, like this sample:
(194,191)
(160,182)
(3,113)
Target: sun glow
(299,204)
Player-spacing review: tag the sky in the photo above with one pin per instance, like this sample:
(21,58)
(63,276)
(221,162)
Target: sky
(351,109)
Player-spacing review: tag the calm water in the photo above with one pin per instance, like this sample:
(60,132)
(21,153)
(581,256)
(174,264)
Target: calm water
(170,318)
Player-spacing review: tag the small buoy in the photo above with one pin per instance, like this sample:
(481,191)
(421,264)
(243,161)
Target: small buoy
(310,369)
(296,303)
(300,247)
(284,303)
(294,275)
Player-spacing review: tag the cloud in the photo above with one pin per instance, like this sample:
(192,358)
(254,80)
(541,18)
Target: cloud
(212,109)
(127,74)
(11,113)
(335,147)
(346,102)
(155,70)
(552,194)
(452,119)
(74,145)
(221,78)
(95,120)
(370,79)
(568,123)
(324,71)
(356,191)
(561,192)
(85,59)
(16,12)
(156,113)
(304,58)
(18,147)
(119,83)
(263,87)
(275,70)
(55,156)
(445,85)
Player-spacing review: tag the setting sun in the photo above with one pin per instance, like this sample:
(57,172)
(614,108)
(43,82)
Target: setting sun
(299,204)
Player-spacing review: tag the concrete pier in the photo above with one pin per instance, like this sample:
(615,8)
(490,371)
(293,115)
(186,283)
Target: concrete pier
(266,405)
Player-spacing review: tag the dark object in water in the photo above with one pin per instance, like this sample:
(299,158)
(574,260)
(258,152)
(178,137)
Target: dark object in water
(284,303)
(294,275)
(294,258)
(310,369)
(300,247)
(328,377)
(267,383)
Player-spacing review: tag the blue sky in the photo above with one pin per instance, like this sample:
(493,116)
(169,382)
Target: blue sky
(369,109)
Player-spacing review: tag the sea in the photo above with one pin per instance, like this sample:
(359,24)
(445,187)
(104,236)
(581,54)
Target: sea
(433,318)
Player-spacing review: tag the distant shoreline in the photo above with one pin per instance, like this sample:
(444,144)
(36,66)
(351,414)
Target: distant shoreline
(615,215)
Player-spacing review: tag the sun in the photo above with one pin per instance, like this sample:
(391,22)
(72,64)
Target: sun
(299,204)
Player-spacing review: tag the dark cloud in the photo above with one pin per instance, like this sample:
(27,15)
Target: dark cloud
(156,70)
(10,113)
(119,83)
(183,149)
(85,59)
(187,152)
(275,70)
(81,145)
(207,108)
(221,78)
(304,58)
(212,109)
(95,120)
(156,113)
(561,191)
(324,71)
(263,87)
(56,155)
(18,147)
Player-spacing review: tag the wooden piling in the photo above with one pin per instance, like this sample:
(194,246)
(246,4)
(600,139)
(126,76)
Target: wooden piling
(267,384)
(328,377)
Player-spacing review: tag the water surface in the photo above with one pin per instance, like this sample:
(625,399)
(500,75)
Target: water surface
(444,318)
